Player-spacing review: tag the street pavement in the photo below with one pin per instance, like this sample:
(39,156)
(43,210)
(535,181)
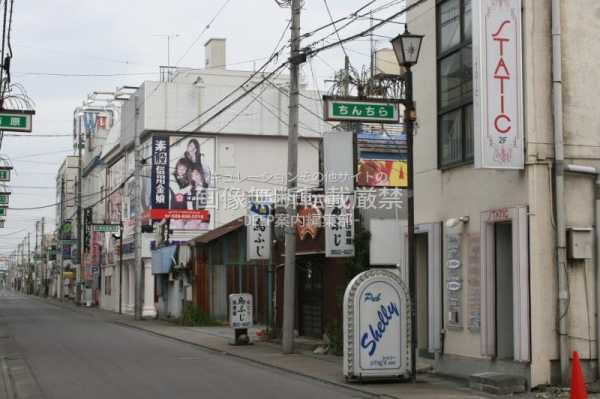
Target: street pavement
(50,351)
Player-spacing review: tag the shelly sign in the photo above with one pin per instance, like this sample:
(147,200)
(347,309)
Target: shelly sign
(376,326)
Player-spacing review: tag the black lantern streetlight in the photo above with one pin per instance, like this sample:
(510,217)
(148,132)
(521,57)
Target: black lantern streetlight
(407,48)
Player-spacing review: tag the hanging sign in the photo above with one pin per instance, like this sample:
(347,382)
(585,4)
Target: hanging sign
(16,121)
(498,79)
(377,326)
(258,230)
(339,225)
(360,110)
(5,173)
(240,311)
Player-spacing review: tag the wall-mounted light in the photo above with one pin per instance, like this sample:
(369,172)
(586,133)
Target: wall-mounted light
(453,222)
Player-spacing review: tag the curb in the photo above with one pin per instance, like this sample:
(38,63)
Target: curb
(249,359)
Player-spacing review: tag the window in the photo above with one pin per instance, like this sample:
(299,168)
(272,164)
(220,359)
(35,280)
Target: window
(455,82)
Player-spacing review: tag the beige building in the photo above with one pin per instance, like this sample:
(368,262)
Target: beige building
(489,236)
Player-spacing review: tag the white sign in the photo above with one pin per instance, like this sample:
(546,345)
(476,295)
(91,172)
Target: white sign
(498,80)
(258,231)
(339,225)
(377,326)
(240,311)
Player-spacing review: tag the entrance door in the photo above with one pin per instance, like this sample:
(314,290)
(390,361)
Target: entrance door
(504,291)
(311,300)
(422,263)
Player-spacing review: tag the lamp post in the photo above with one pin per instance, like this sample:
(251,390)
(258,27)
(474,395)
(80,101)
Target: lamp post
(407,48)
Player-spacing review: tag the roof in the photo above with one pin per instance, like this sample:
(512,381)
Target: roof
(219,232)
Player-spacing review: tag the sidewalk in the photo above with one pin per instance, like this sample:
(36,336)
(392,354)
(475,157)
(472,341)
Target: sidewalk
(327,369)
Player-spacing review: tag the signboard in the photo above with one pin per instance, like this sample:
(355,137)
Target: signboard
(258,230)
(181,182)
(454,282)
(382,160)
(241,313)
(377,326)
(87,230)
(338,161)
(106,228)
(5,173)
(3,212)
(4,197)
(339,225)
(16,121)
(2,224)
(363,110)
(498,79)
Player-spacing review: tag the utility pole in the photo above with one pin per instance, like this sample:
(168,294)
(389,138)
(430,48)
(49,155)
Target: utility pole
(138,289)
(289,287)
(59,289)
(29,262)
(44,260)
(78,289)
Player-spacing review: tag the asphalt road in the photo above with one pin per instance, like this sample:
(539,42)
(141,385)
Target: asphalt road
(72,355)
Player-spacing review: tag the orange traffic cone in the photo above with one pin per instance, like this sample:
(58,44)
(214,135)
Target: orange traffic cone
(578,389)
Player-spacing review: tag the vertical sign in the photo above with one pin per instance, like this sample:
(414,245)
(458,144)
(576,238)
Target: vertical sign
(339,225)
(160,172)
(258,231)
(474,280)
(454,283)
(240,311)
(498,79)
(87,226)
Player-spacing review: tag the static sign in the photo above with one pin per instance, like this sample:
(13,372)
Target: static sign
(258,230)
(240,311)
(498,95)
(339,226)
(3,212)
(16,121)
(364,110)
(377,326)
(4,198)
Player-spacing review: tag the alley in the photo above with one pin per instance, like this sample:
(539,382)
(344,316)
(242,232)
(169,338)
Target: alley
(73,355)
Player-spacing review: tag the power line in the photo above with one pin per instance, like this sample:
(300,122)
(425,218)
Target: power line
(207,27)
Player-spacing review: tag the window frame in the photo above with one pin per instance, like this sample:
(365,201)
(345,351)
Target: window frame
(463,103)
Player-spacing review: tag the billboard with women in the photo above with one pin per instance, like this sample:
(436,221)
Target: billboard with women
(182,182)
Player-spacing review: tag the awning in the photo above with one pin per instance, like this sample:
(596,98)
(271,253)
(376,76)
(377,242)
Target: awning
(163,259)
(219,231)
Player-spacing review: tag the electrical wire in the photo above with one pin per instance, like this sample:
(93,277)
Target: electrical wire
(207,27)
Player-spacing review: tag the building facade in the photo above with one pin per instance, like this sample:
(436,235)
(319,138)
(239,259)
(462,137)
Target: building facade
(494,260)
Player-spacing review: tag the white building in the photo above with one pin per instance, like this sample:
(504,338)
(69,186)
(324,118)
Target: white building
(498,307)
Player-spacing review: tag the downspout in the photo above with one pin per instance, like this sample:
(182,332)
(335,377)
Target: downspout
(590,171)
(559,200)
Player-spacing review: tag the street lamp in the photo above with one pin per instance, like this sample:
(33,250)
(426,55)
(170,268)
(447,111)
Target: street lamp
(407,48)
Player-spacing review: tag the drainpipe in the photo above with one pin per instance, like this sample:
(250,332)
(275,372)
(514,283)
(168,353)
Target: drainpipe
(559,201)
(591,171)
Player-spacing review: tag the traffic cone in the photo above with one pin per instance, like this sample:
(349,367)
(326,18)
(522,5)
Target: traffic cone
(578,389)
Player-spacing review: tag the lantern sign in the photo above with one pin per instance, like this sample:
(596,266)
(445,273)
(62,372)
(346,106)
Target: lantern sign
(240,311)
(377,338)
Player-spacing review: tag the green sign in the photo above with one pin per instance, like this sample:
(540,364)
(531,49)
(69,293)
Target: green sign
(4,174)
(4,198)
(106,228)
(16,121)
(345,109)
(3,212)
(68,242)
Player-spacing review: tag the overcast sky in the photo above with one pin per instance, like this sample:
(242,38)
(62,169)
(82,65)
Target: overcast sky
(127,37)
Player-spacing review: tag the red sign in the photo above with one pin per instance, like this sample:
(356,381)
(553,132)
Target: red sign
(202,215)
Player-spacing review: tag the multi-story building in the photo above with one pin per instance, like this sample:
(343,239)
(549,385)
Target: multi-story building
(66,212)
(503,89)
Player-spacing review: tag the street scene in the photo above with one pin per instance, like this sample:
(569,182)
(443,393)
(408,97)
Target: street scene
(283,198)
